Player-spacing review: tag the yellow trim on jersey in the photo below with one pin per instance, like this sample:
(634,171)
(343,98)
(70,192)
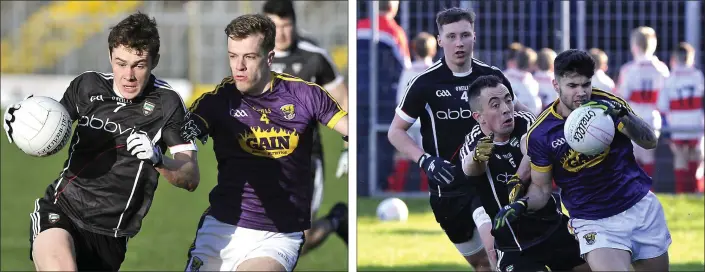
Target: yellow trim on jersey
(202,119)
(620,126)
(538,121)
(226,80)
(542,169)
(288,77)
(334,120)
(553,111)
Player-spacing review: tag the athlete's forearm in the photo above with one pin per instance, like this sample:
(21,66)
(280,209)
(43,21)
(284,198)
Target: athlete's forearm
(524,170)
(638,131)
(539,190)
(340,93)
(182,171)
(472,167)
(405,144)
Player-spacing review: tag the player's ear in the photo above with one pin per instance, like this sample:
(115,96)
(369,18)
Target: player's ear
(476,115)
(555,84)
(270,57)
(438,40)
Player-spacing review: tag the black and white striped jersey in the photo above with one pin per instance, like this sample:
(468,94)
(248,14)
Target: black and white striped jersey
(438,98)
(102,187)
(530,229)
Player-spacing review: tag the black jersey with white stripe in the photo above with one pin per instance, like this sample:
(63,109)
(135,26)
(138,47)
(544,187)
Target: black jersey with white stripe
(438,97)
(311,63)
(532,227)
(102,187)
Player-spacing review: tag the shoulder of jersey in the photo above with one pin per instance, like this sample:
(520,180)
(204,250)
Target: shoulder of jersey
(484,67)
(310,47)
(431,73)
(94,76)
(297,81)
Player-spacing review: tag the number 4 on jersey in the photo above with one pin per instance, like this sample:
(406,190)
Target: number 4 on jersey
(465,96)
(264,118)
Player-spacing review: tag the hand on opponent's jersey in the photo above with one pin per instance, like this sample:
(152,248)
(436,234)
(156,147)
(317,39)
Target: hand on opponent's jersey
(10,118)
(518,187)
(484,148)
(613,109)
(439,171)
(509,213)
(141,146)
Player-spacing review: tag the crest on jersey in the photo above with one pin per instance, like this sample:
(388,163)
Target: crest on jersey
(53,218)
(147,108)
(296,67)
(590,238)
(196,264)
(574,161)
(288,111)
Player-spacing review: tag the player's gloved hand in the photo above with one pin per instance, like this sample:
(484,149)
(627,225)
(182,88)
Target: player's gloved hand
(509,213)
(518,187)
(9,118)
(141,146)
(437,169)
(484,148)
(342,164)
(613,109)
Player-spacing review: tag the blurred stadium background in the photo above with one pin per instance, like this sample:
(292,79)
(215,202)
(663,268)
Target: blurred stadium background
(419,243)
(45,44)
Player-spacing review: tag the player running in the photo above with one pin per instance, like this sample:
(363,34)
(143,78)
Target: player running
(640,82)
(539,241)
(126,120)
(300,58)
(437,96)
(681,101)
(262,124)
(615,217)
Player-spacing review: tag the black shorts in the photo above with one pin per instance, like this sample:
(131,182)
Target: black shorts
(94,252)
(560,252)
(454,214)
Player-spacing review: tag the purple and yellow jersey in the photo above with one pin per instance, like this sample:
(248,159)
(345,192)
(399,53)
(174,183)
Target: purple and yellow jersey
(263,147)
(592,187)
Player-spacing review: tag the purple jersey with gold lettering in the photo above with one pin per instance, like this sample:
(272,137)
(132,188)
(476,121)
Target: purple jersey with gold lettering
(263,146)
(592,187)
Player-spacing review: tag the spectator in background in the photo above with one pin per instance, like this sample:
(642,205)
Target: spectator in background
(424,47)
(640,82)
(681,102)
(510,57)
(392,58)
(601,80)
(544,76)
(523,83)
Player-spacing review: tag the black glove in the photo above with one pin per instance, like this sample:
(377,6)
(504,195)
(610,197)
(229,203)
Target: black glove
(613,109)
(509,213)
(438,170)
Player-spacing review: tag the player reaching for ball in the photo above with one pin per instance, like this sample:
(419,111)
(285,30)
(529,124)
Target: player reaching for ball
(614,216)
(126,120)
(262,124)
(494,148)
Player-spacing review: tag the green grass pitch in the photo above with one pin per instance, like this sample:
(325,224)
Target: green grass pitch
(170,226)
(420,245)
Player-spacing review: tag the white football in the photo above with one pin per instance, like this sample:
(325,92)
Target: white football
(588,130)
(42,126)
(392,209)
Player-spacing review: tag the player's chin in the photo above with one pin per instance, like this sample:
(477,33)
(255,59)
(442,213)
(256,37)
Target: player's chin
(129,92)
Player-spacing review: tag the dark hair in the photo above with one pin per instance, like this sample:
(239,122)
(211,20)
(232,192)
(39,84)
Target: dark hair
(419,44)
(475,89)
(526,58)
(598,56)
(252,24)
(452,15)
(137,32)
(513,51)
(574,61)
(280,8)
(683,52)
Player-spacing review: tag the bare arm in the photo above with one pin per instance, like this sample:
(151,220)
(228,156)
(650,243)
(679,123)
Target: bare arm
(340,94)
(638,131)
(539,190)
(342,126)
(182,170)
(472,167)
(524,170)
(402,141)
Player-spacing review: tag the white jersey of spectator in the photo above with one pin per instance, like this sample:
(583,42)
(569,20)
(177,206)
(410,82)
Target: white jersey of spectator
(681,101)
(406,76)
(602,81)
(547,93)
(640,82)
(526,88)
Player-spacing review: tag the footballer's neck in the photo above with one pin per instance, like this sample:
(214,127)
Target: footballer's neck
(563,110)
(262,86)
(497,136)
(461,69)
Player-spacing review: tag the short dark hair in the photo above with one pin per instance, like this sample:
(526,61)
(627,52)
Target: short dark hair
(475,89)
(137,32)
(280,8)
(683,52)
(574,61)
(252,24)
(452,15)
(420,44)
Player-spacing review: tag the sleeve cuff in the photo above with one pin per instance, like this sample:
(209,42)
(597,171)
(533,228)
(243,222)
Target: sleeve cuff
(542,169)
(190,146)
(334,120)
(405,116)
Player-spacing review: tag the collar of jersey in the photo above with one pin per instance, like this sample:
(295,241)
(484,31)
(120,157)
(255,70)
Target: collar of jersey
(553,111)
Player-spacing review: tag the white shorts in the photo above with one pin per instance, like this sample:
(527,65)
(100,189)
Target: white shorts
(641,230)
(223,247)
